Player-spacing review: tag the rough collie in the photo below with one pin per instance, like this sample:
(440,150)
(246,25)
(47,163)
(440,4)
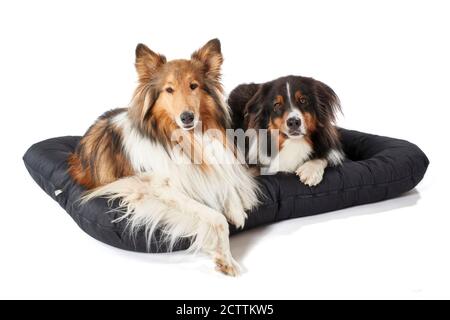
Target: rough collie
(301,111)
(166,156)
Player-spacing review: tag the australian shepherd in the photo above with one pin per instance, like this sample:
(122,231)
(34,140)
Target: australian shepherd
(166,156)
(302,112)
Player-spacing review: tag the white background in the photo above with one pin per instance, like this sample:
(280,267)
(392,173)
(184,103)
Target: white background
(63,63)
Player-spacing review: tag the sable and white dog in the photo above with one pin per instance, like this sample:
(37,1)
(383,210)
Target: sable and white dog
(166,156)
(299,114)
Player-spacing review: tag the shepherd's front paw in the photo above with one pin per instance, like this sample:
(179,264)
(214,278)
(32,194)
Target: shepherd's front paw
(311,172)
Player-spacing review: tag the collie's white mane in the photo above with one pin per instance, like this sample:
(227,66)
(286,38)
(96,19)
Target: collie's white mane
(223,178)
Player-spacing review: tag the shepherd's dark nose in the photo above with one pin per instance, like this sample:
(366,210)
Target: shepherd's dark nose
(187,117)
(293,123)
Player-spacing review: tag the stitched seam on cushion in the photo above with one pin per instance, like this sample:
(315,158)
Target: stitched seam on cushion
(351,188)
(115,230)
(323,194)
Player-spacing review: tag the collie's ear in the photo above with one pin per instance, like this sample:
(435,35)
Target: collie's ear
(328,104)
(147,62)
(210,56)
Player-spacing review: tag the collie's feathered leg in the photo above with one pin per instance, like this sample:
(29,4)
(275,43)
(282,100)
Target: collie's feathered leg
(234,211)
(150,201)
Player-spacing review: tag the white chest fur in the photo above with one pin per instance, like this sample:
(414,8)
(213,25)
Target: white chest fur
(225,176)
(294,153)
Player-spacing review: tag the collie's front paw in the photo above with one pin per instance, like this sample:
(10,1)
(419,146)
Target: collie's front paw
(237,218)
(227,266)
(311,172)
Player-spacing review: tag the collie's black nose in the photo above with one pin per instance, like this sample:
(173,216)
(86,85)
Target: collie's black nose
(187,117)
(293,123)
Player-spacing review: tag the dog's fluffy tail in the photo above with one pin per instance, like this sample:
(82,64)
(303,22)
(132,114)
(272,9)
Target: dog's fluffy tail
(148,202)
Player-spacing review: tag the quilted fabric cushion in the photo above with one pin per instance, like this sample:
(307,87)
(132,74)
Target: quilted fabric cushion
(377,168)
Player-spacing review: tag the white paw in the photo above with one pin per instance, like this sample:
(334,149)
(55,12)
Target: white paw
(237,218)
(311,172)
(234,211)
(227,266)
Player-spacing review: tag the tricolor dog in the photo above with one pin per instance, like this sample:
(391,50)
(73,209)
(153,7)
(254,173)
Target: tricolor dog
(301,111)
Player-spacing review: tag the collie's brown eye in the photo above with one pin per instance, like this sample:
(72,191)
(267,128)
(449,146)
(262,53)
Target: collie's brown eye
(302,100)
(169,90)
(193,86)
(276,106)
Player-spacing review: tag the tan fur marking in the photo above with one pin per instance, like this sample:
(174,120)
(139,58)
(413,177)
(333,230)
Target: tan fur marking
(298,95)
(277,124)
(310,122)
(81,175)
(279,99)
(96,148)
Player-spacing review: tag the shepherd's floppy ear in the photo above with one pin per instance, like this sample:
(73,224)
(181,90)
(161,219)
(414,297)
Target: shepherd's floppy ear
(238,100)
(210,56)
(254,107)
(147,62)
(327,102)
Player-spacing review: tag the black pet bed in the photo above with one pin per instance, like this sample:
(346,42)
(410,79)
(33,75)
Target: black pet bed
(377,168)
